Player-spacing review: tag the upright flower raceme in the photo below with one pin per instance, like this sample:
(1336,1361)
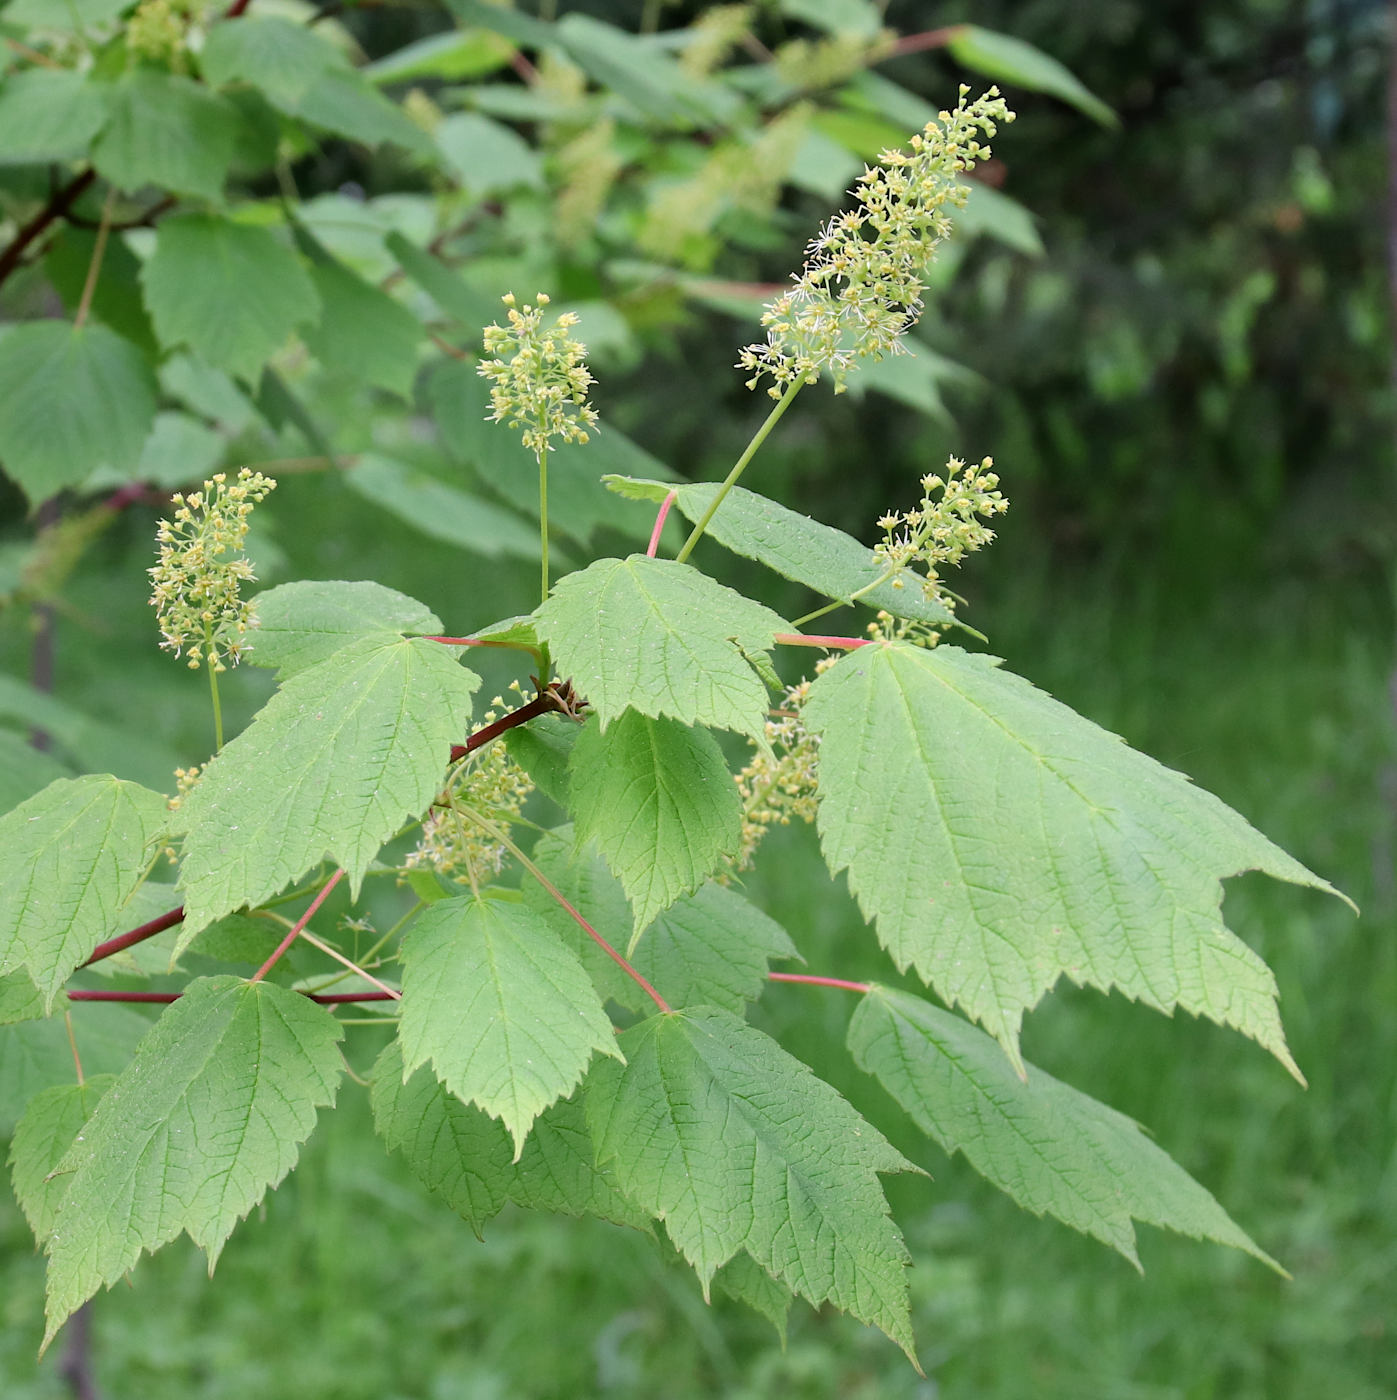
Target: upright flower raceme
(202,566)
(861,288)
(538,377)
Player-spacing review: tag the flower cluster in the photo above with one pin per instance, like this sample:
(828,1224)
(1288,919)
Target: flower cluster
(202,567)
(713,35)
(538,379)
(156,32)
(942,528)
(861,287)
(493,784)
(781,784)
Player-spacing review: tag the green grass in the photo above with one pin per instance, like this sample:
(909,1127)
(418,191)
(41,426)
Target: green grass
(350,1283)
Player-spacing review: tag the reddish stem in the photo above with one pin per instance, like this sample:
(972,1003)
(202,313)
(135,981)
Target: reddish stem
(542,704)
(637,977)
(136,935)
(928,39)
(811,639)
(818,981)
(659,525)
(164,998)
(300,923)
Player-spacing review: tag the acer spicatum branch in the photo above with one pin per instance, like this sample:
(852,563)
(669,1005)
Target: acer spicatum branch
(812,981)
(58,205)
(812,639)
(544,703)
(659,525)
(136,935)
(165,998)
(496,834)
(295,930)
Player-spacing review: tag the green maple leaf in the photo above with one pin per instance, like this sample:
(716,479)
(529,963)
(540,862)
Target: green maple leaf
(658,800)
(735,1144)
(340,756)
(232,292)
(713,947)
(746,1281)
(660,637)
(299,624)
(281,58)
(1001,841)
(167,131)
(211,1111)
(76,853)
(72,398)
(52,1119)
(500,1006)
(463,1155)
(1055,1150)
(793,545)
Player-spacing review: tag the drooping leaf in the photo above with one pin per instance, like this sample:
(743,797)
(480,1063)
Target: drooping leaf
(340,756)
(657,636)
(230,291)
(500,1006)
(735,1144)
(362,331)
(1055,1150)
(211,1112)
(513,24)
(300,624)
(645,76)
(442,511)
(456,54)
(451,292)
(48,114)
(709,948)
(55,1116)
(1011,60)
(793,545)
(343,101)
(660,803)
(1001,841)
(465,1156)
(486,156)
(168,132)
(281,58)
(36,1054)
(207,391)
(74,854)
(71,399)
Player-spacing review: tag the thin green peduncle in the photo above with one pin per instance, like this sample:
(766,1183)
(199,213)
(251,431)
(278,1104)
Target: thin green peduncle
(542,455)
(211,666)
(740,466)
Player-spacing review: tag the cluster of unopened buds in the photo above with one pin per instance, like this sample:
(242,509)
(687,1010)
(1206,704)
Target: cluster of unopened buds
(538,377)
(780,783)
(197,581)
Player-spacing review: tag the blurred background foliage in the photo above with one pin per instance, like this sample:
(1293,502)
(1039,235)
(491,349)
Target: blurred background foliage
(1164,315)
